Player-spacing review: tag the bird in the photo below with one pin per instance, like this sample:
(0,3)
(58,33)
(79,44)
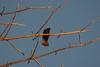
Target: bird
(45,38)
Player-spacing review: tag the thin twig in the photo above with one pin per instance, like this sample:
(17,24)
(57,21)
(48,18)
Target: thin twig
(8,27)
(13,46)
(2,11)
(6,31)
(13,24)
(32,35)
(51,52)
(25,9)
(89,24)
(34,50)
(49,17)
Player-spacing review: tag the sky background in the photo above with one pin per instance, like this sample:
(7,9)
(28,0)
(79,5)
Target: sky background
(75,14)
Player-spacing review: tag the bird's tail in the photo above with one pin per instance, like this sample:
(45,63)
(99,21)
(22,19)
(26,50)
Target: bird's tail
(45,43)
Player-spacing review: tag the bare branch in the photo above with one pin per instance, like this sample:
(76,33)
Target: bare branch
(49,17)
(2,11)
(51,52)
(13,24)
(89,24)
(25,9)
(32,35)
(13,46)
(34,51)
(8,27)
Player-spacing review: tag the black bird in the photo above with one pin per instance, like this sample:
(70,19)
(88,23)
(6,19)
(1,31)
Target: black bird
(45,38)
